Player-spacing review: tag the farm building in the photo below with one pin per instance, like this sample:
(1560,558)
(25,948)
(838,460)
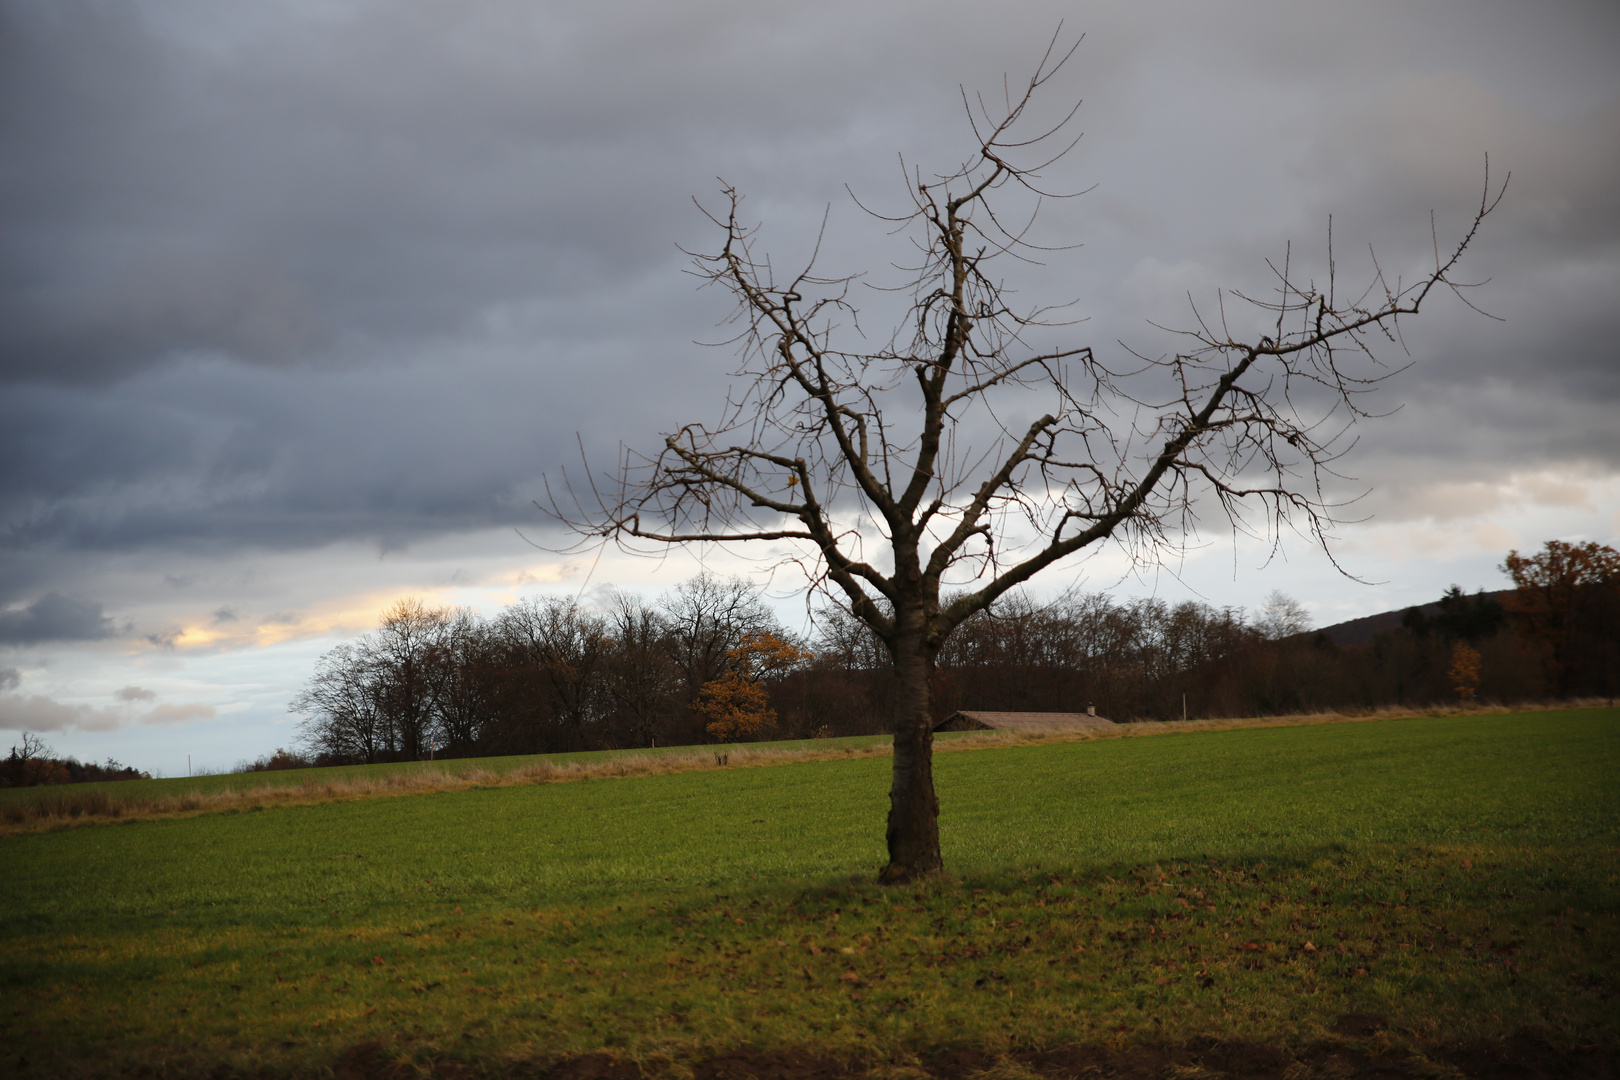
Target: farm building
(975,720)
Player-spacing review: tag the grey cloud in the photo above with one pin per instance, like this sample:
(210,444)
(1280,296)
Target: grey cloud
(178,714)
(135,693)
(10,678)
(1421,143)
(54,617)
(37,713)
(358,175)
(279,277)
(210,453)
(132,315)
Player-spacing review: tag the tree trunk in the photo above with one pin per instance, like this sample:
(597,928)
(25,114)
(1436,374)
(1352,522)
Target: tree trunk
(913,832)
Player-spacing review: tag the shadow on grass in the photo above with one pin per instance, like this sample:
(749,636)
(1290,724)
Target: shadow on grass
(1395,961)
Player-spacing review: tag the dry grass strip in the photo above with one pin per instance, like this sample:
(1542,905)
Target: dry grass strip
(99,806)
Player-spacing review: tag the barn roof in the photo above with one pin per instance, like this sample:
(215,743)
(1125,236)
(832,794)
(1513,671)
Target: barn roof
(978,720)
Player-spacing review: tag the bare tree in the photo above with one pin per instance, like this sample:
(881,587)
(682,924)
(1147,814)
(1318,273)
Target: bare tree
(558,639)
(704,619)
(907,448)
(407,651)
(639,670)
(1281,616)
(847,641)
(464,703)
(343,707)
(34,748)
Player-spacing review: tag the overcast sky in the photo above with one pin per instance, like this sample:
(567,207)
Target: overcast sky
(300,299)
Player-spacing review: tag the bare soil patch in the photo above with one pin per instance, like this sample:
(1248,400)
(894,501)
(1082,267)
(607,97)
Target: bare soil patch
(1522,1056)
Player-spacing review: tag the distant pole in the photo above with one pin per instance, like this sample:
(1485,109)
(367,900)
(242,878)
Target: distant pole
(188,765)
(1183,708)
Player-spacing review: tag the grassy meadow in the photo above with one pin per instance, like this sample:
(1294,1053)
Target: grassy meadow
(1403,892)
(133,794)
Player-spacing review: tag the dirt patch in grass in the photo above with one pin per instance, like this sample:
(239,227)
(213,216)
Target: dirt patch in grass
(782,1065)
(1524,1055)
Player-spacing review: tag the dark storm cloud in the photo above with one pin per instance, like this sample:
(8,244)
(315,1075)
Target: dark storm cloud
(112,260)
(209,455)
(443,240)
(54,617)
(385,174)
(284,274)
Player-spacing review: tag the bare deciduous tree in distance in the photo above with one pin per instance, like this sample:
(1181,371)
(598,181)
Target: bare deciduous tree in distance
(832,451)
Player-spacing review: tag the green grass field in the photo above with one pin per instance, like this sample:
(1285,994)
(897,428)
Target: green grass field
(1455,879)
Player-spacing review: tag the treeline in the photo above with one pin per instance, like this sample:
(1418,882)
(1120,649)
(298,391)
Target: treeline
(32,763)
(544,675)
(1554,636)
(710,662)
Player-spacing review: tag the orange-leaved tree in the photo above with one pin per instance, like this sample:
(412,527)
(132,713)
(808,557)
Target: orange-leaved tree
(1464,673)
(737,704)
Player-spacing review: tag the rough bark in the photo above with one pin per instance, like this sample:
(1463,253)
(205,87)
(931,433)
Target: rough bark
(913,828)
